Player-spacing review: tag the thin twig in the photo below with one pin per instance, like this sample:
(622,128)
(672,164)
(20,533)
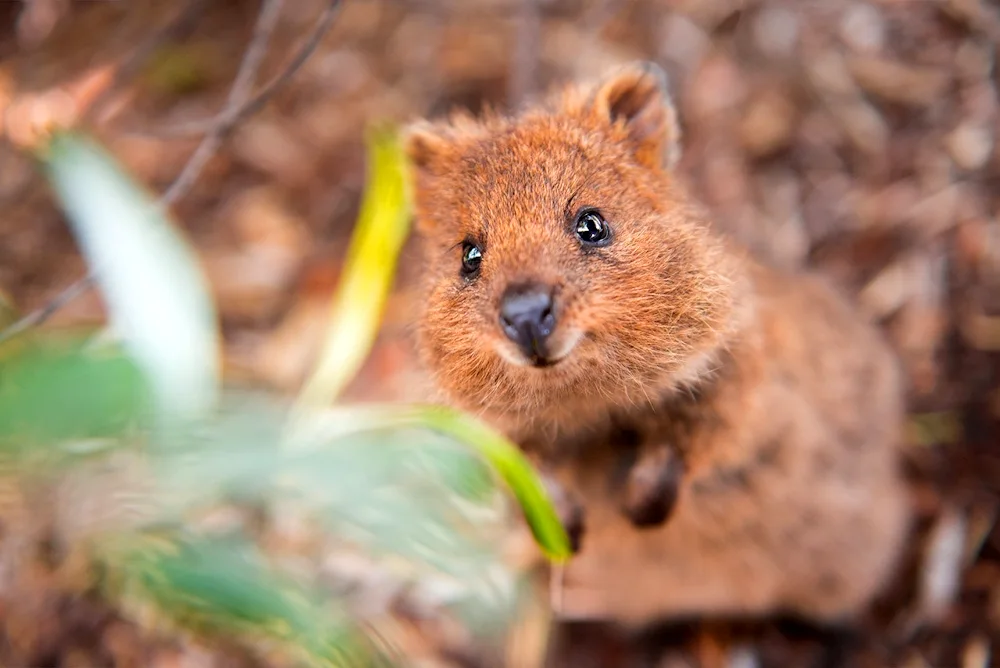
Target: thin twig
(525,54)
(266,21)
(35,318)
(219,127)
(179,25)
(183,22)
(257,102)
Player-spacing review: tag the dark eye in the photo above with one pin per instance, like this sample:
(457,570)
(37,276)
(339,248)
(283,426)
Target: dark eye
(591,228)
(472,257)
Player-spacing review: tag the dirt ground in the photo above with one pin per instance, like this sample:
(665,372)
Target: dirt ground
(854,136)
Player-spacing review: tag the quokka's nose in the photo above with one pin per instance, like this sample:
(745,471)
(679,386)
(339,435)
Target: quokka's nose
(527,318)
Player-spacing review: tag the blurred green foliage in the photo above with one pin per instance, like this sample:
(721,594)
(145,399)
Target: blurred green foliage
(51,391)
(413,488)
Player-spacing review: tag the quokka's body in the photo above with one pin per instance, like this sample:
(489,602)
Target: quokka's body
(728,432)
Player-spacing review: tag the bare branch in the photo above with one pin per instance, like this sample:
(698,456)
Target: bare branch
(181,24)
(266,21)
(237,109)
(35,318)
(257,103)
(525,54)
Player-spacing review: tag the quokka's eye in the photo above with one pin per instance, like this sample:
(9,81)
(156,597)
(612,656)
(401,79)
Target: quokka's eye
(592,229)
(472,257)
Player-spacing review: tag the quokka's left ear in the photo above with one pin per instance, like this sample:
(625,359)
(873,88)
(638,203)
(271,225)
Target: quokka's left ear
(637,97)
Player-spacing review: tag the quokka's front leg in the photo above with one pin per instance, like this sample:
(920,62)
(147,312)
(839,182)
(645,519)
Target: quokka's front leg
(652,471)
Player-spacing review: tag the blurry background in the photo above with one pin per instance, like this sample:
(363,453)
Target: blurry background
(855,136)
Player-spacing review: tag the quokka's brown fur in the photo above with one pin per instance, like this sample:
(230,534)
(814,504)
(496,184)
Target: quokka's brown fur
(729,432)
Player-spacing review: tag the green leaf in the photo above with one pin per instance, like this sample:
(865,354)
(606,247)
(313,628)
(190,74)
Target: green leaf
(413,497)
(224,587)
(408,492)
(150,279)
(503,456)
(515,470)
(52,391)
(381,229)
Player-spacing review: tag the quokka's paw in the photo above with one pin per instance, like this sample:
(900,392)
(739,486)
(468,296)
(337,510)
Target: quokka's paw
(652,486)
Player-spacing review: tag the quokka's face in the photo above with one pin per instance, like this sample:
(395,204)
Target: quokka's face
(556,267)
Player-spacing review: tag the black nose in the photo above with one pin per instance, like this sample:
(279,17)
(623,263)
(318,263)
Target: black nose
(527,319)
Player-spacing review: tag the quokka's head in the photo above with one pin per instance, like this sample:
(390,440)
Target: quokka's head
(564,269)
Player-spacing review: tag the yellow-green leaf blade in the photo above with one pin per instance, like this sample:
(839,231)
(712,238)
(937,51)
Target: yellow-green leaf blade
(505,458)
(515,470)
(381,229)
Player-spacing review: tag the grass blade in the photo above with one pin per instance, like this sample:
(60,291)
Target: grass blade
(505,458)
(381,229)
(512,467)
(224,587)
(155,292)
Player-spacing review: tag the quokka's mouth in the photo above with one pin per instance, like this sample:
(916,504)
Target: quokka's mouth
(541,357)
(534,361)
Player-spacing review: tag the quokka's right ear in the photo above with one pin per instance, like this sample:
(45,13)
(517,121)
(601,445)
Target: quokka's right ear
(425,144)
(430,149)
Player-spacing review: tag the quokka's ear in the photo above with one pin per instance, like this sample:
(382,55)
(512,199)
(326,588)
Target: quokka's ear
(425,145)
(431,148)
(638,98)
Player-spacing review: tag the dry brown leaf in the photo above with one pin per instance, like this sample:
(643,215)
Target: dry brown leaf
(898,82)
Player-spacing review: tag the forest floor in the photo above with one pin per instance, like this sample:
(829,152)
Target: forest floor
(858,138)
